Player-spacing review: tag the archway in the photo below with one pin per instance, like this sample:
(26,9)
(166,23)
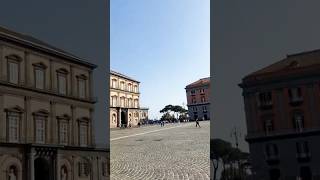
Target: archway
(123,119)
(305,173)
(42,169)
(274,174)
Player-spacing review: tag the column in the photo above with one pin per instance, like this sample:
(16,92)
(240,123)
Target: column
(92,127)
(31,164)
(98,169)
(119,117)
(29,120)
(2,119)
(51,85)
(1,62)
(71,82)
(53,123)
(27,70)
(74,128)
(58,157)
(90,85)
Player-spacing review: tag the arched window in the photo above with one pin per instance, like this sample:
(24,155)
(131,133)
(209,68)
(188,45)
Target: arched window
(113,101)
(83,131)
(39,75)
(63,123)
(13,68)
(298,121)
(122,85)
(114,83)
(62,81)
(82,85)
(40,121)
(122,101)
(14,123)
(129,87)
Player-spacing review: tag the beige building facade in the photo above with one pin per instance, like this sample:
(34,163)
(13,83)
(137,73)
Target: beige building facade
(125,108)
(46,110)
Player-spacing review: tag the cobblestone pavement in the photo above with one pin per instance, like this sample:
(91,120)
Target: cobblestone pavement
(173,152)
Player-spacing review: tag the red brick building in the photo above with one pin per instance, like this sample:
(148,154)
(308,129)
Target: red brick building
(282,105)
(198,100)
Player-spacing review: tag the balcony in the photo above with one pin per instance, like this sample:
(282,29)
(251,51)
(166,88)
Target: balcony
(273,159)
(296,101)
(303,157)
(275,133)
(266,106)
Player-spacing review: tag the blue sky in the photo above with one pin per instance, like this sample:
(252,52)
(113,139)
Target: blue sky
(164,44)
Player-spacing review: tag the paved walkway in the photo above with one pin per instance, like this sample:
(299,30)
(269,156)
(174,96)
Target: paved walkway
(172,152)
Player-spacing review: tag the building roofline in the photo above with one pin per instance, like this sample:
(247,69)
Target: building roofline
(123,76)
(34,43)
(196,83)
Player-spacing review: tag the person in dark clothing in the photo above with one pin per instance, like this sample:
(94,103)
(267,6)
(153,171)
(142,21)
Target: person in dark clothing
(197,123)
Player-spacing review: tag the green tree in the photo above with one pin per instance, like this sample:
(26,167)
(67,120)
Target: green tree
(176,110)
(219,152)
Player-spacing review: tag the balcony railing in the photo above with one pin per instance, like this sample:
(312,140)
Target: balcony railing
(304,156)
(272,159)
(266,105)
(48,91)
(292,131)
(296,101)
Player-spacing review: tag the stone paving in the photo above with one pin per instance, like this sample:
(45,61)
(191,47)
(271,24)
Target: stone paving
(172,152)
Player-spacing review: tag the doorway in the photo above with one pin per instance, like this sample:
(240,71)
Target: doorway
(42,169)
(305,173)
(123,119)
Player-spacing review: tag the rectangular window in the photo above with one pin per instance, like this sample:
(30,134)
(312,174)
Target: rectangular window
(83,134)
(204,108)
(13,123)
(82,88)
(271,150)
(114,101)
(268,126)
(39,78)
(122,85)
(63,132)
(298,122)
(62,84)
(194,100)
(13,74)
(295,94)
(40,129)
(114,83)
(122,101)
(265,99)
(302,149)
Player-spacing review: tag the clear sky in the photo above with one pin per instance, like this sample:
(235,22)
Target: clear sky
(164,44)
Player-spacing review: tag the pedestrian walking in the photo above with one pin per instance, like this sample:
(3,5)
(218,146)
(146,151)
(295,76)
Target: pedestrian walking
(197,123)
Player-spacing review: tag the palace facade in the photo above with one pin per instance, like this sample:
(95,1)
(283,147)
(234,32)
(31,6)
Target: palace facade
(282,106)
(198,100)
(46,110)
(125,108)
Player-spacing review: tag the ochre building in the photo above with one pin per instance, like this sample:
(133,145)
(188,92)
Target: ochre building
(46,110)
(125,108)
(198,100)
